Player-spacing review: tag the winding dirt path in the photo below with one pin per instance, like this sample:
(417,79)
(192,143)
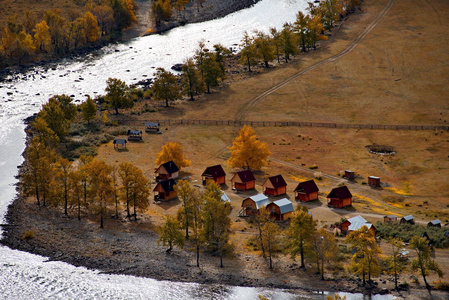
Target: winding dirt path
(241,115)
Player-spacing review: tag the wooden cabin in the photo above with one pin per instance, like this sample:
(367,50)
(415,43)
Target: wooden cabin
(119,144)
(408,220)
(214,173)
(243,180)
(434,223)
(390,219)
(306,191)
(134,135)
(349,175)
(251,205)
(152,127)
(374,181)
(339,197)
(168,170)
(281,209)
(275,186)
(355,223)
(165,190)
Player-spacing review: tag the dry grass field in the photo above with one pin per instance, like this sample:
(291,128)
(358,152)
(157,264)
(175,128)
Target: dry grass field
(396,75)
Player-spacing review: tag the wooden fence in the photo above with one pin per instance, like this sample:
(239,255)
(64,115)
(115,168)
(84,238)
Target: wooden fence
(280,124)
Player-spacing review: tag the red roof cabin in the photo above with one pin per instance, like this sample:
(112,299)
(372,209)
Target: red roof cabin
(214,173)
(339,197)
(306,191)
(165,190)
(251,205)
(243,180)
(275,186)
(281,209)
(168,170)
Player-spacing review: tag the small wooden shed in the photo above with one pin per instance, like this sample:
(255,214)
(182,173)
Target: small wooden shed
(214,173)
(349,175)
(281,209)
(306,191)
(408,220)
(374,181)
(243,180)
(168,170)
(251,205)
(134,135)
(275,186)
(119,143)
(165,190)
(339,197)
(390,219)
(152,127)
(434,223)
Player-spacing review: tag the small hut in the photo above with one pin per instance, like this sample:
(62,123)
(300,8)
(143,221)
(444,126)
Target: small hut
(349,175)
(243,180)
(408,220)
(306,191)
(275,186)
(355,223)
(434,223)
(119,144)
(168,170)
(251,205)
(214,173)
(134,135)
(374,181)
(339,197)
(390,219)
(165,190)
(152,127)
(281,209)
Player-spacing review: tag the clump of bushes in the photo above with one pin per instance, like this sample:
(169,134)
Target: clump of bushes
(28,235)
(405,232)
(313,167)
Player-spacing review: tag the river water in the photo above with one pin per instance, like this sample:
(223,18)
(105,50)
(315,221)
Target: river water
(28,276)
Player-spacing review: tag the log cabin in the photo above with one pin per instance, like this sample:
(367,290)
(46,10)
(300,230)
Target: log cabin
(281,209)
(355,223)
(214,173)
(243,181)
(165,190)
(390,219)
(251,205)
(168,170)
(434,223)
(306,191)
(374,181)
(339,197)
(275,186)
(408,220)
(349,175)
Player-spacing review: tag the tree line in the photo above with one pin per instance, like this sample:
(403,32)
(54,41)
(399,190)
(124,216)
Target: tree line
(25,38)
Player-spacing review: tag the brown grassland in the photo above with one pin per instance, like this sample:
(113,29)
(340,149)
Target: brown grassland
(397,74)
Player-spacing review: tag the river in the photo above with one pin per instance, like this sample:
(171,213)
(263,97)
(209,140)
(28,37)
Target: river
(28,276)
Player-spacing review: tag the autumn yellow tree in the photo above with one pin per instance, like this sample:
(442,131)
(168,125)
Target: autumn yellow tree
(172,151)
(365,260)
(247,151)
(42,38)
(170,233)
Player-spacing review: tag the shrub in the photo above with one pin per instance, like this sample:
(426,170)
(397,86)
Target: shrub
(28,235)
(441,285)
(313,167)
